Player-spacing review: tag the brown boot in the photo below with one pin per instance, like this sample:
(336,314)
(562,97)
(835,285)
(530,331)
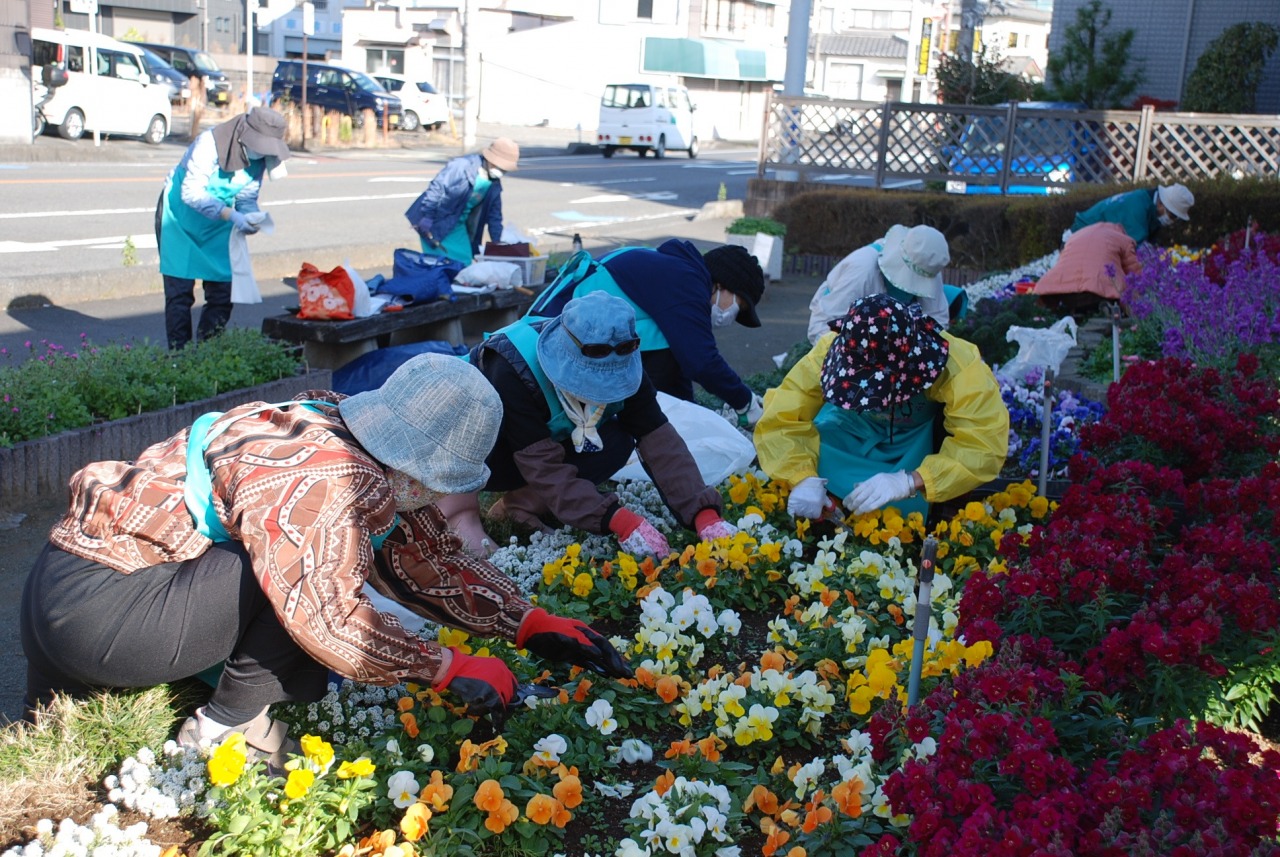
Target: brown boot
(524,506)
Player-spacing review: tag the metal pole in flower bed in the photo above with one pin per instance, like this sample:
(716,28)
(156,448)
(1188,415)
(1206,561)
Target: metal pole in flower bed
(920,630)
(1046,390)
(1114,310)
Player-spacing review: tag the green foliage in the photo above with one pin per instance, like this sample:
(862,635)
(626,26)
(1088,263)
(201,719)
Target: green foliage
(63,389)
(723,193)
(982,81)
(752,225)
(129,255)
(1090,66)
(1143,342)
(987,322)
(1227,75)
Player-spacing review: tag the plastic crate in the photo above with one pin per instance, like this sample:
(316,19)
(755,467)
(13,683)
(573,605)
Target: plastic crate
(533,270)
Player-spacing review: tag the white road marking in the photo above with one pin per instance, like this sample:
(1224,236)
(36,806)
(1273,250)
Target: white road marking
(151,209)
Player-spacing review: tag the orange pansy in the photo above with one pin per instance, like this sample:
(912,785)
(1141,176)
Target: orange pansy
(437,793)
(668,689)
(896,612)
(569,790)
(709,747)
(489,796)
(414,823)
(848,797)
(541,808)
(410,724)
(404,703)
(683,747)
(644,678)
(828,597)
(762,798)
(663,784)
(584,687)
(771,660)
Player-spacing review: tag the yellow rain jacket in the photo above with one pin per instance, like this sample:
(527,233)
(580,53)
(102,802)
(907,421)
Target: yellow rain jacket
(974,416)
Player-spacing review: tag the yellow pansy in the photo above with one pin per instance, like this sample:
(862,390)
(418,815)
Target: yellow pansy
(299,782)
(361,767)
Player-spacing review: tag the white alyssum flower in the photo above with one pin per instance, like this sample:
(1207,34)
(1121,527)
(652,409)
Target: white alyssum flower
(101,836)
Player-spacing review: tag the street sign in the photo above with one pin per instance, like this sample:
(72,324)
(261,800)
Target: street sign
(309,18)
(83,7)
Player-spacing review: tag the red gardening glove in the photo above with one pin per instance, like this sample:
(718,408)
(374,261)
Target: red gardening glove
(559,639)
(711,526)
(637,536)
(485,684)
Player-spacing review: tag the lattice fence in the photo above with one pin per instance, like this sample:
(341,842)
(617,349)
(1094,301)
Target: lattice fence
(1017,147)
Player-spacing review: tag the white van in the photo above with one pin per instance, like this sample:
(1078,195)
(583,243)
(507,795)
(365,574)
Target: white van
(646,117)
(107,87)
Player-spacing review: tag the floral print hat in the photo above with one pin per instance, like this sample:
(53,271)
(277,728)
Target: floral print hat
(884,353)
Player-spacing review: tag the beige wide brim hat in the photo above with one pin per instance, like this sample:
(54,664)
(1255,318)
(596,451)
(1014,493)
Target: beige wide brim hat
(436,418)
(503,153)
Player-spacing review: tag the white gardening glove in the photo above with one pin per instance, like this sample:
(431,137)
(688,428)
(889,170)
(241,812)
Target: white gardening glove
(879,490)
(808,498)
(646,541)
(751,413)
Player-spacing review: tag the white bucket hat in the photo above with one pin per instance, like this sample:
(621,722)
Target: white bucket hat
(1177,200)
(913,259)
(436,418)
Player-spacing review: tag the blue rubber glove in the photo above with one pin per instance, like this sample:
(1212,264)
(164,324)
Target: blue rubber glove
(239,221)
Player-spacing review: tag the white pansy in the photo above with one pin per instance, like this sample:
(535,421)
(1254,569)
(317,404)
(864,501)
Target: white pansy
(402,789)
(600,715)
(635,750)
(730,622)
(548,749)
(426,753)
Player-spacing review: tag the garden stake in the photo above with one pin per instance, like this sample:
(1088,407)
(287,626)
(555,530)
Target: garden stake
(920,630)
(1114,309)
(1046,389)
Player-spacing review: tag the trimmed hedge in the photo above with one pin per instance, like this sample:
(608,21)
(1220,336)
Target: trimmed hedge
(994,233)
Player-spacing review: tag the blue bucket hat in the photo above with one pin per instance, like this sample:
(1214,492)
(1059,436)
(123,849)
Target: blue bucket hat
(591,350)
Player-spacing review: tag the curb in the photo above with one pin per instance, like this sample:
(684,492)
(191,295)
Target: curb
(144,280)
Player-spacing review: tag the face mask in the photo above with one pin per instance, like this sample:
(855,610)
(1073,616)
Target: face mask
(250,154)
(408,492)
(495,173)
(1165,219)
(721,317)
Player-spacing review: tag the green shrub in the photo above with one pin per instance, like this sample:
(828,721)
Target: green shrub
(752,225)
(64,388)
(992,233)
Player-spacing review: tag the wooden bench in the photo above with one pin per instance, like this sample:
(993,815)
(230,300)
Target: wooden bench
(461,321)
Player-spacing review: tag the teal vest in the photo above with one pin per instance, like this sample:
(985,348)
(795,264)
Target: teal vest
(197,493)
(856,446)
(584,275)
(192,246)
(525,339)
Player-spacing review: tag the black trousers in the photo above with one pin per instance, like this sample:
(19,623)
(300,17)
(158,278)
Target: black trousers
(179,297)
(87,627)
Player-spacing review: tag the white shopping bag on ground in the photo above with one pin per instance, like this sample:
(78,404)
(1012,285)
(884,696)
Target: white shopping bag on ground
(244,288)
(411,621)
(718,447)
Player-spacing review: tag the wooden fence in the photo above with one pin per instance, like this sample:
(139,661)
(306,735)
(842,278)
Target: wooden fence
(1019,147)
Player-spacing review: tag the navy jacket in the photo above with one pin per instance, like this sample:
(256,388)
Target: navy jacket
(439,207)
(673,285)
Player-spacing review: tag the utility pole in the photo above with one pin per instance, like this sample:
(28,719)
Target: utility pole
(969,21)
(470,75)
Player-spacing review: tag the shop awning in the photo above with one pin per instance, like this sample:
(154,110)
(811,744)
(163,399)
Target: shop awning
(712,59)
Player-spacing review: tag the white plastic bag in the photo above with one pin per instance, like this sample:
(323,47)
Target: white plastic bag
(244,288)
(487,276)
(364,300)
(1039,347)
(719,448)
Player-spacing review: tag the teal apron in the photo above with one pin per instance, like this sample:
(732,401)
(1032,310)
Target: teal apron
(651,336)
(457,244)
(198,490)
(191,245)
(525,339)
(855,446)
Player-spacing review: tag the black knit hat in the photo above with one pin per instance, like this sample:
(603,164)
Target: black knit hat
(733,268)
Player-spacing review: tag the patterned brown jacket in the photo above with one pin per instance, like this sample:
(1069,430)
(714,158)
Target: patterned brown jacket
(296,488)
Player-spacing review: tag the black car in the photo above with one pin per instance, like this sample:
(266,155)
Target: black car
(196,64)
(332,87)
(163,74)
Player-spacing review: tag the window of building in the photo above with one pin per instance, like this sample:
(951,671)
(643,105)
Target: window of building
(1013,40)
(384,61)
(879,19)
(734,16)
(644,9)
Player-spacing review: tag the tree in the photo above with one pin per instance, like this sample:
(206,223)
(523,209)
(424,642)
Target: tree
(1089,67)
(1226,77)
(983,81)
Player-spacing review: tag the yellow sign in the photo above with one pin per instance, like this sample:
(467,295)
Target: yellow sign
(926,33)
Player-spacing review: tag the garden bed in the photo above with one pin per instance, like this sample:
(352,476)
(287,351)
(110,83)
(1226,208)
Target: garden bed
(37,469)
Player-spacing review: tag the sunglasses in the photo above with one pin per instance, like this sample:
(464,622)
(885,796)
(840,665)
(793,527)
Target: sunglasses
(596,350)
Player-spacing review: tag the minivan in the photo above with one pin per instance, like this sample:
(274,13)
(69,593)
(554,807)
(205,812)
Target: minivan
(196,63)
(106,90)
(161,73)
(423,106)
(1048,147)
(646,117)
(332,87)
